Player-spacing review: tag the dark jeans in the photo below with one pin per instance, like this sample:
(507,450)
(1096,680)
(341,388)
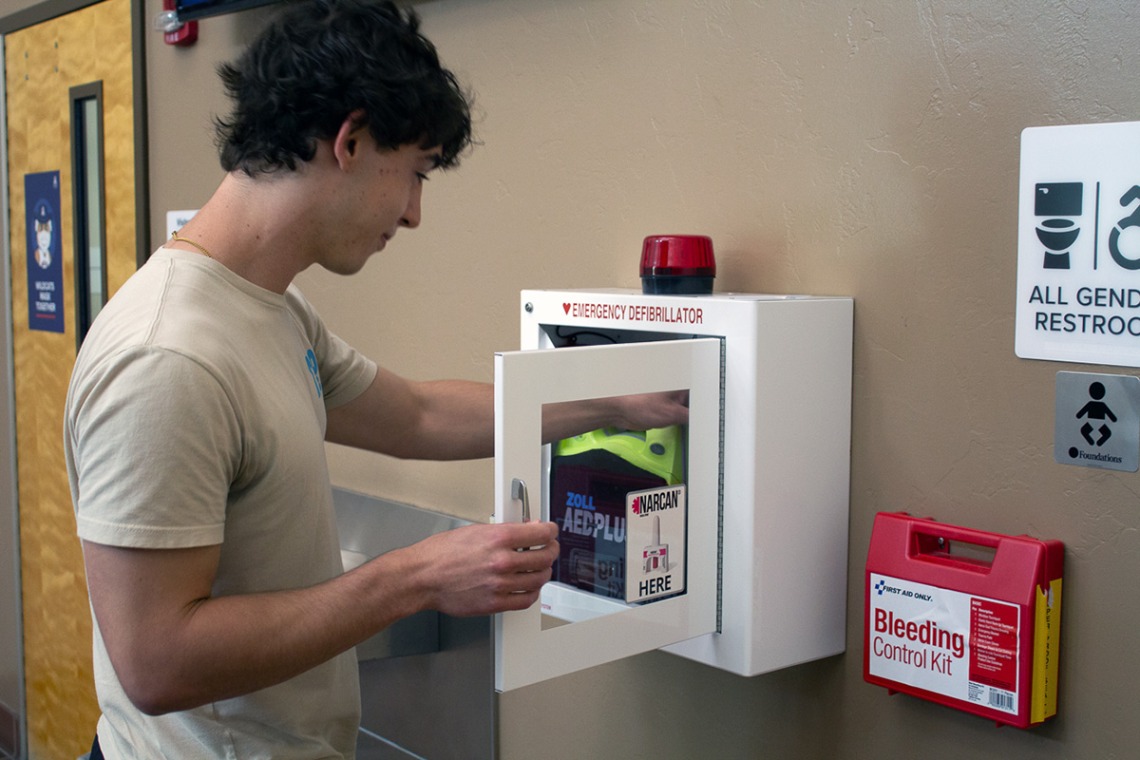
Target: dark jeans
(96,753)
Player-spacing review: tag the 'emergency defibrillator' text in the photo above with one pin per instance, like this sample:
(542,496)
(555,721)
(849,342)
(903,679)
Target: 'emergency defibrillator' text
(620,312)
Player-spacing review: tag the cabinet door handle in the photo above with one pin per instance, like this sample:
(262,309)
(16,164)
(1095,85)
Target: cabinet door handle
(518,493)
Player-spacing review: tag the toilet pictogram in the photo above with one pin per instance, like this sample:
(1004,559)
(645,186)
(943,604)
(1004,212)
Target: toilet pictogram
(1062,204)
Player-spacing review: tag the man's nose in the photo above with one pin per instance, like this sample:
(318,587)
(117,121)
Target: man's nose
(411,216)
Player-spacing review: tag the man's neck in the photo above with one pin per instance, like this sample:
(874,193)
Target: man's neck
(257,227)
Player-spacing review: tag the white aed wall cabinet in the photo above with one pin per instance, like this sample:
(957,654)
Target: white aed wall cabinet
(767,463)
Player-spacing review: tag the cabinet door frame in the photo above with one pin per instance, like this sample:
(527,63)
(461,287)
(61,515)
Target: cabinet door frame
(525,652)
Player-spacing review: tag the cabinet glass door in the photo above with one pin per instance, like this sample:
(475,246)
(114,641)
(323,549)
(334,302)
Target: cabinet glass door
(670,564)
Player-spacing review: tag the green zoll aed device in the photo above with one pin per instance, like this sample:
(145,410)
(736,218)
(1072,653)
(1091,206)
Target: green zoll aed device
(592,478)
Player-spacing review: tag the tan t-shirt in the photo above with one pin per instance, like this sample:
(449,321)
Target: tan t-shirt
(196,416)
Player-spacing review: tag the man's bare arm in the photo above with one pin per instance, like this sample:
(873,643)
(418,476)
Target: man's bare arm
(175,647)
(454,419)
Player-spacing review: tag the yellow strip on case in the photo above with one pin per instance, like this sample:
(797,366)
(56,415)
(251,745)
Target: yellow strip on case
(1046,651)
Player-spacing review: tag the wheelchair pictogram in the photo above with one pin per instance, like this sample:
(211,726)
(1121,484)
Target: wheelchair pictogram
(1132,220)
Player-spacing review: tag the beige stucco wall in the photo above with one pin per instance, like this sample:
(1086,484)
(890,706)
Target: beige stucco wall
(862,149)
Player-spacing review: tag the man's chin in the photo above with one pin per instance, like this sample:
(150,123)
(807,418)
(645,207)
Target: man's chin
(345,267)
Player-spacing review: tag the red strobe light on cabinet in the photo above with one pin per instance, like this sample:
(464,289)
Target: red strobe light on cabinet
(965,618)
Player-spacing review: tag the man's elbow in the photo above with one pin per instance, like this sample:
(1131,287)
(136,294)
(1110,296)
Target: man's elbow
(153,693)
(152,702)
(151,706)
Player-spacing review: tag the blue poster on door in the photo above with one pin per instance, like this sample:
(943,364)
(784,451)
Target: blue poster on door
(45,253)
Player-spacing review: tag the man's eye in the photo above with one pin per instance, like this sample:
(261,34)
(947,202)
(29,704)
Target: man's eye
(422,176)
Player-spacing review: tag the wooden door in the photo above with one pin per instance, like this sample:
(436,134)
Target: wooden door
(72,71)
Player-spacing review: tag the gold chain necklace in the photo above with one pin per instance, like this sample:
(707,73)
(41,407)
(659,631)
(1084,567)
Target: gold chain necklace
(176,237)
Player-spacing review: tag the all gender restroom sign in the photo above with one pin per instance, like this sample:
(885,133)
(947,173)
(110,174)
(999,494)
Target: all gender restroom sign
(1078,253)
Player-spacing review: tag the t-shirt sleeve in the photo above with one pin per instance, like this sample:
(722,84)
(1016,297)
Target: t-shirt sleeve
(345,372)
(156,442)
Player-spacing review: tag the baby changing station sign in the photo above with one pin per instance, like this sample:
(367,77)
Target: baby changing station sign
(1078,251)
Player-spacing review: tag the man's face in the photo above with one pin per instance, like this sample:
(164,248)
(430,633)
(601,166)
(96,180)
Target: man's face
(384,195)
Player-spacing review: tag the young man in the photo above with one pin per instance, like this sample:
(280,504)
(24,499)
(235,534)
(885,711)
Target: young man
(204,393)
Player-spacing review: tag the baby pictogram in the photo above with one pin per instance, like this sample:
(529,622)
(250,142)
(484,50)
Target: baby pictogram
(1096,409)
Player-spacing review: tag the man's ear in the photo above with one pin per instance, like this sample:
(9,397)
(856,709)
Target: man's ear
(347,140)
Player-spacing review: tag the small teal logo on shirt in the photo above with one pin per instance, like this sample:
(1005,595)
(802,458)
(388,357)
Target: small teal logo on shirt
(315,371)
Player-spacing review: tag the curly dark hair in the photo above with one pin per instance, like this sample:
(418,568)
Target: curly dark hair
(320,61)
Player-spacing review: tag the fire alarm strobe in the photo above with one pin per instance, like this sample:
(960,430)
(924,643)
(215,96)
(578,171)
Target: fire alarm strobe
(965,618)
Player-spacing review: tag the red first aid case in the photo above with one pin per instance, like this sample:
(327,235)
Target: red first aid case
(962,617)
